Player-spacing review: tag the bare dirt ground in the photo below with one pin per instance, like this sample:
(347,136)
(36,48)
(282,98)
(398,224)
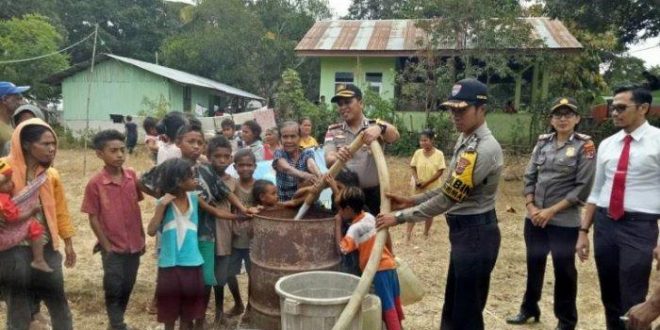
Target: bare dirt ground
(427,258)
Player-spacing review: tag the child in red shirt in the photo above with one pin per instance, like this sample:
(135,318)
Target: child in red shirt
(12,214)
(361,236)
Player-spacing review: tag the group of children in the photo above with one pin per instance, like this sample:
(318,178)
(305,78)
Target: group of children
(202,219)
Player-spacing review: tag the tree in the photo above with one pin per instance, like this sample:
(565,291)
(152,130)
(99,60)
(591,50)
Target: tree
(27,37)
(630,20)
(478,31)
(376,9)
(132,28)
(625,70)
(247,45)
(223,41)
(16,9)
(292,104)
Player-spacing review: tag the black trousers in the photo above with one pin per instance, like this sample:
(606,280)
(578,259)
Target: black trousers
(14,277)
(119,273)
(623,251)
(46,287)
(475,243)
(560,243)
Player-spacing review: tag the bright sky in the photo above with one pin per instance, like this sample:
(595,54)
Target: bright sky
(648,50)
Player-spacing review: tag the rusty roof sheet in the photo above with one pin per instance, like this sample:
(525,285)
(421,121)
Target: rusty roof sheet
(405,38)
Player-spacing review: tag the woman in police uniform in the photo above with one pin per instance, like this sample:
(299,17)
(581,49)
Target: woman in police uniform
(557,180)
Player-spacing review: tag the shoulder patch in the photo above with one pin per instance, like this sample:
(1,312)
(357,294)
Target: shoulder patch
(583,137)
(544,137)
(589,149)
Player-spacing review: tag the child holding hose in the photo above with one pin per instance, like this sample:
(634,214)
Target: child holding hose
(361,236)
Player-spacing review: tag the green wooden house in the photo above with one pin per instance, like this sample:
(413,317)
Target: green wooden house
(369,53)
(125,86)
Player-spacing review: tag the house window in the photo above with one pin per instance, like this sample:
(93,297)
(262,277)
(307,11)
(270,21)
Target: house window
(374,81)
(342,79)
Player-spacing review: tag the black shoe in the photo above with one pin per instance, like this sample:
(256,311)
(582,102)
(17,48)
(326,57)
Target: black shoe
(523,317)
(564,327)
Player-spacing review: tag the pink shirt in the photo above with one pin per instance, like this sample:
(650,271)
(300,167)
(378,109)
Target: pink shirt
(117,209)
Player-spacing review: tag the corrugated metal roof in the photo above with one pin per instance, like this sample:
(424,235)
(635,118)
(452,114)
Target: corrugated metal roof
(405,38)
(169,73)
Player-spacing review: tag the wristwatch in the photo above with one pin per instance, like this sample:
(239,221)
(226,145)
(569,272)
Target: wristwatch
(382,125)
(399,217)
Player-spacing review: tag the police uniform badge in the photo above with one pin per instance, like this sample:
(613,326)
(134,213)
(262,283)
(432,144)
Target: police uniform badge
(570,152)
(330,133)
(459,185)
(589,149)
(461,164)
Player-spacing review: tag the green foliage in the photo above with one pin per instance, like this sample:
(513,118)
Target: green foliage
(291,104)
(376,9)
(445,132)
(625,70)
(26,37)
(133,28)
(246,45)
(628,20)
(477,25)
(439,122)
(66,139)
(578,75)
(377,107)
(155,108)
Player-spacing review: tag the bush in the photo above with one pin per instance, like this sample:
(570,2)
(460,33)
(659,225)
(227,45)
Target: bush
(67,140)
(154,108)
(292,105)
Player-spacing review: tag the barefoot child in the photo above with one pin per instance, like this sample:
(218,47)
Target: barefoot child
(111,201)
(361,236)
(427,164)
(215,232)
(245,164)
(180,283)
(13,214)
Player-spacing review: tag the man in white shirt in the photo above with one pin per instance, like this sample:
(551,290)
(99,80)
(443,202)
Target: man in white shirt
(625,204)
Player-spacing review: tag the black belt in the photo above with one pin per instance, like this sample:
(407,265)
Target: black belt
(632,216)
(458,221)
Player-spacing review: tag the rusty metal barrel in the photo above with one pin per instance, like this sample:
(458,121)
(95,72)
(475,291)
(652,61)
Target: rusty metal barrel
(282,246)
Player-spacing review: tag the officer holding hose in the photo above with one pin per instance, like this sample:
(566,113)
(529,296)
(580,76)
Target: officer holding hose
(340,135)
(468,198)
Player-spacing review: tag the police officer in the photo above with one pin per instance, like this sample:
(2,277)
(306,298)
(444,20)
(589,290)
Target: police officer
(557,180)
(339,136)
(468,197)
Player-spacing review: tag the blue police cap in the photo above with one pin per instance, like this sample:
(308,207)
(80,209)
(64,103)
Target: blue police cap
(467,92)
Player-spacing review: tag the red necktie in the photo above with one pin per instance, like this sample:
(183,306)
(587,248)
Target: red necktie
(619,183)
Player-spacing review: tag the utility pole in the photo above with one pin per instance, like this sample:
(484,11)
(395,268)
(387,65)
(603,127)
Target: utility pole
(89,91)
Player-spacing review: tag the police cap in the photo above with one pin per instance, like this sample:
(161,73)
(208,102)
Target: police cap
(564,102)
(347,92)
(467,92)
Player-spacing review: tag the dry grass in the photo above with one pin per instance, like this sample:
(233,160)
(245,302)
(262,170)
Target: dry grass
(428,259)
